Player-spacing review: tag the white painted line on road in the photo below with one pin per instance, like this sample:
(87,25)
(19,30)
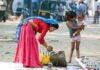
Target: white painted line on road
(3,40)
(15,66)
(92,36)
(19,66)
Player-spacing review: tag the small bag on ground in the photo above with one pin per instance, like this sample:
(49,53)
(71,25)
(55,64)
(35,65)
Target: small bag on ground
(58,59)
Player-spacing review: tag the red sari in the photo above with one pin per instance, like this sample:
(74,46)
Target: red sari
(27,49)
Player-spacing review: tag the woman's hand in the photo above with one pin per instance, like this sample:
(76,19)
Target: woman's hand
(49,48)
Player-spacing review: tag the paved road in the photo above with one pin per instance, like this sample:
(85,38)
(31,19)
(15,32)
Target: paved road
(90,44)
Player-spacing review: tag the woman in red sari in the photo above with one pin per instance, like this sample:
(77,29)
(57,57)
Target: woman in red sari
(27,49)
